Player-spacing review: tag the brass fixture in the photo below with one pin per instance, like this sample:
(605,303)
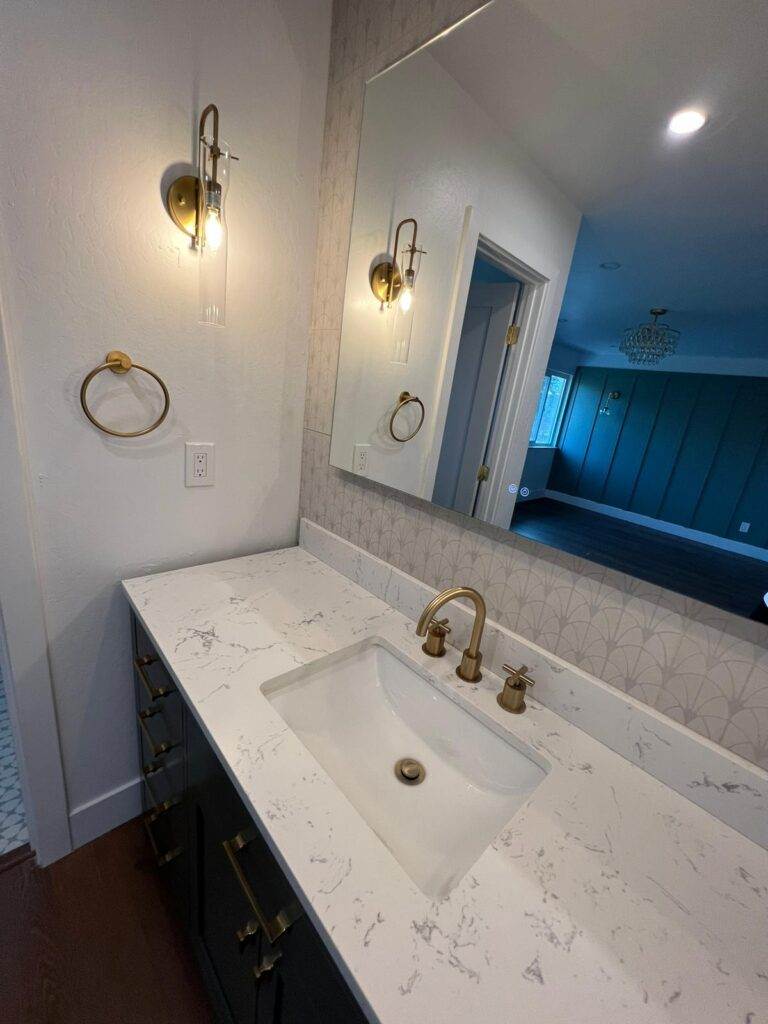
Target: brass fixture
(409,771)
(387,280)
(161,857)
(471,659)
(196,206)
(404,399)
(437,631)
(155,692)
(512,697)
(273,927)
(186,204)
(157,749)
(118,362)
(513,335)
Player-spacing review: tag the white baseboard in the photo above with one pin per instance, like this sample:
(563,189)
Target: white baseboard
(724,543)
(90,820)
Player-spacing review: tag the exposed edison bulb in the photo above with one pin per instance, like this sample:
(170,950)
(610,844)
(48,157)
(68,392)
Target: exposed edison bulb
(213,232)
(405,299)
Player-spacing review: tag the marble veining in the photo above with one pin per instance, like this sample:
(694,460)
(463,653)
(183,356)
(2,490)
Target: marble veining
(607,897)
(734,790)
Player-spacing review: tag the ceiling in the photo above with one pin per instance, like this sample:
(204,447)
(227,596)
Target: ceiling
(587,89)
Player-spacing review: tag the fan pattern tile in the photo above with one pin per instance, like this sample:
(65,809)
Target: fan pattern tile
(13,822)
(699,665)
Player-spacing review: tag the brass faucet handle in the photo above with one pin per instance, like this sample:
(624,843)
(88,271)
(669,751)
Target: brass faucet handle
(512,696)
(518,676)
(437,631)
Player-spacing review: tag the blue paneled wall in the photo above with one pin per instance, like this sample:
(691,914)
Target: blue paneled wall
(686,448)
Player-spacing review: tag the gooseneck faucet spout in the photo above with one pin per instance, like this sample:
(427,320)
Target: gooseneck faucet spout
(469,669)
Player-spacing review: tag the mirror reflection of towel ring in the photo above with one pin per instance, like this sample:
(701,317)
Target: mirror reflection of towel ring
(119,362)
(405,398)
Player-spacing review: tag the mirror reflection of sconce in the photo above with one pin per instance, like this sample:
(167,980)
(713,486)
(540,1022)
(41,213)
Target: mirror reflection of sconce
(196,206)
(394,288)
(613,396)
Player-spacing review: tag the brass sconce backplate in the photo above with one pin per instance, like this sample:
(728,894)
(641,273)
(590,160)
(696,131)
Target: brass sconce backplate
(182,203)
(380,276)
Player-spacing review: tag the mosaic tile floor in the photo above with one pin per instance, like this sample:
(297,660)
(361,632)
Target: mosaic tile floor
(13,822)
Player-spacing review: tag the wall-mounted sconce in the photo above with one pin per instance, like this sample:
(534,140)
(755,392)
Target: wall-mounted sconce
(196,205)
(613,396)
(395,290)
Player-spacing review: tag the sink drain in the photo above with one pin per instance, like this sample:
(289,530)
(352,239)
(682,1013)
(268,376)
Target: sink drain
(410,771)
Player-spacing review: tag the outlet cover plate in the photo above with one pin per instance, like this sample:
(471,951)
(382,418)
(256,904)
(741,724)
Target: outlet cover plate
(199,464)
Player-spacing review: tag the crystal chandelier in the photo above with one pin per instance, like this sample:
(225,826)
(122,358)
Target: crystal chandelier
(649,343)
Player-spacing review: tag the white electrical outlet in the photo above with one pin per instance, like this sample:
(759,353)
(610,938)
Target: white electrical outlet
(360,460)
(744,528)
(198,464)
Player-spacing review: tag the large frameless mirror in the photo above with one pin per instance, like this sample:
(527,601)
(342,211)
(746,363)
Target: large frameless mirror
(556,305)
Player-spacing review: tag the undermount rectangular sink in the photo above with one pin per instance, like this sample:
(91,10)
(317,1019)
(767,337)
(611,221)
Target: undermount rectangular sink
(361,711)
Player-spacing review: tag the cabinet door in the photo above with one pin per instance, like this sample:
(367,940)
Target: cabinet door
(161,757)
(264,957)
(311,988)
(218,905)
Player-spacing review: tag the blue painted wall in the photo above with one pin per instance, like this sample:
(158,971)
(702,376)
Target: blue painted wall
(686,448)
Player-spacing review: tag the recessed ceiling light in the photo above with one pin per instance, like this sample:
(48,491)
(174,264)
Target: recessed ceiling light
(685,122)
(610,265)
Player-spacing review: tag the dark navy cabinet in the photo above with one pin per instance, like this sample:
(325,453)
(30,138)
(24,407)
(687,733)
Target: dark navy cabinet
(260,956)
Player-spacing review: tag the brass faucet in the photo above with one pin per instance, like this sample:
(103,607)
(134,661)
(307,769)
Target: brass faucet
(512,697)
(469,669)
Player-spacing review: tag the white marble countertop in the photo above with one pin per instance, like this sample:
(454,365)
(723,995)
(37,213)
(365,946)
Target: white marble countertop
(607,898)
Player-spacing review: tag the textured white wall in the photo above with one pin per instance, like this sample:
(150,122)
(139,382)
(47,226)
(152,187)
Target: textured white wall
(99,101)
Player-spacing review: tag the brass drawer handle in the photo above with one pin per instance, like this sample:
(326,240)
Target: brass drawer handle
(155,692)
(282,921)
(161,858)
(156,748)
(267,963)
(161,808)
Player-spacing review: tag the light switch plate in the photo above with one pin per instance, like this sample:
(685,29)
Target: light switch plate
(199,464)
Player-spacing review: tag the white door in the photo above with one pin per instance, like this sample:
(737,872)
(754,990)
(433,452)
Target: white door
(480,363)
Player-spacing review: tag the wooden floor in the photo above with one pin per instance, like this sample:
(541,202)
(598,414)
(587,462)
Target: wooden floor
(94,939)
(709,574)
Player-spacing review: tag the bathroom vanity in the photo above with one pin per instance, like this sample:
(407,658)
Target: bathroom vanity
(532,873)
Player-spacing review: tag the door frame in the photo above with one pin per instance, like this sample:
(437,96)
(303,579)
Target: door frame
(502,316)
(506,452)
(516,404)
(24,653)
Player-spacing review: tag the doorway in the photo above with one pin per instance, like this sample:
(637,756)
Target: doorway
(487,336)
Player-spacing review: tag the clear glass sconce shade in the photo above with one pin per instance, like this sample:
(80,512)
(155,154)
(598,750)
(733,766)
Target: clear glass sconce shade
(212,240)
(402,310)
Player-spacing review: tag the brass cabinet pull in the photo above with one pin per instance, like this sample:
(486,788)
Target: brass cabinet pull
(267,963)
(155,692)
(161,808)
(404,399)
(161,858)
(156,748)
(282,921)
(247,933)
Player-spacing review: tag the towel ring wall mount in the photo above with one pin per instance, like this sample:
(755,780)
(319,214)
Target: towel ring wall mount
(405,398)
(118,362)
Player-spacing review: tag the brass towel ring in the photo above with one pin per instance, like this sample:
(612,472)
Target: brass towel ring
(119,362)
(403,400)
